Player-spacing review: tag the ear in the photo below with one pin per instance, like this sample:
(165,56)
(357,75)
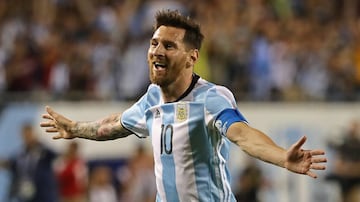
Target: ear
(193,57)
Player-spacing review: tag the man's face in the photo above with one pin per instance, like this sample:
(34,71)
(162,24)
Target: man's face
(167,55)
(28,137)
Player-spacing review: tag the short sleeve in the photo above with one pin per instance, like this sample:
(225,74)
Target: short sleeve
(133,118)
(222,108)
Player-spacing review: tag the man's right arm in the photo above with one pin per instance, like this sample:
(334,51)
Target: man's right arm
(108,128)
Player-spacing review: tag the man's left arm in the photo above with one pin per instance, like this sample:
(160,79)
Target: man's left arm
(260,146)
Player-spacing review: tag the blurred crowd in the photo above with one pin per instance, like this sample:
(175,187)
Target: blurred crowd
(346,164)
(39,173)
(263,50)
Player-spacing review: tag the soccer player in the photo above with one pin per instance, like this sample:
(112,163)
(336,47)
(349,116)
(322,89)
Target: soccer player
(190,121)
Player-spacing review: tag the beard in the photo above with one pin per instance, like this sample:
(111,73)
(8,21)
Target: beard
(166,76)
(161,81)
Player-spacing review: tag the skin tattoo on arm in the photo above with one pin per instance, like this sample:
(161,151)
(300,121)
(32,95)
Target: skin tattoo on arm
(108,128)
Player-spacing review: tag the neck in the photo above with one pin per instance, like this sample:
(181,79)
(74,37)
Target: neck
(174,91)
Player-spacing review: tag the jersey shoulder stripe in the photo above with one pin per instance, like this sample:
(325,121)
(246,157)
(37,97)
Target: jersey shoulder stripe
(133,118)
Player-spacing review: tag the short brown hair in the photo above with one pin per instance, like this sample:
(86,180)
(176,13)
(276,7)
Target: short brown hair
(193,35)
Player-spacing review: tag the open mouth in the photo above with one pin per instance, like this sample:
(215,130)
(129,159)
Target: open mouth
(159,65)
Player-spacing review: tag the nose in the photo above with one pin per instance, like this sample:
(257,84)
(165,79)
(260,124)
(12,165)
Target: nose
(158,50)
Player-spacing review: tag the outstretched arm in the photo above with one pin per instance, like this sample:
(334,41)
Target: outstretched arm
(105,129)
(260,146)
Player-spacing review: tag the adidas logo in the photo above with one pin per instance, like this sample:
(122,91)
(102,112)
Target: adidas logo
(157,114)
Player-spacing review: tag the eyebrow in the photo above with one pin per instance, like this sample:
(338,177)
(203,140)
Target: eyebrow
(169,42)
(164,41)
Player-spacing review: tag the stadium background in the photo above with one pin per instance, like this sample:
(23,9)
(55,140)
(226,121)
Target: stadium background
(293,65)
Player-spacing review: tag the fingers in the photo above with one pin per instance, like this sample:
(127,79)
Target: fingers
(299,143)
(317,167)
(318,160)
(316,163)
(307,160)
(316,152)
(52,115)
(47,116)
(311,174)
(49,110)
(50,125)
(47,124)
(52,130)
(57,137)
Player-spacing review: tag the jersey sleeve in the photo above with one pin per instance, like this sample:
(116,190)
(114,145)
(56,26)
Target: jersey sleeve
(134,119)
(222,109)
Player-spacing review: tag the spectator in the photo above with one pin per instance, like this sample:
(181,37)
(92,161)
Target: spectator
(72,176)
(249,183)
(346,169)
(319,45)
(137,179)
(101,187)
(32,171)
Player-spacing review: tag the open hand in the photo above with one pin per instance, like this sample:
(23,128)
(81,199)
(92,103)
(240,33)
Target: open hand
(303,161)
(57,123)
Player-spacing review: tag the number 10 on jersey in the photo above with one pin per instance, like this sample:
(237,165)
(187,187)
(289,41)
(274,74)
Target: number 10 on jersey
(166,139)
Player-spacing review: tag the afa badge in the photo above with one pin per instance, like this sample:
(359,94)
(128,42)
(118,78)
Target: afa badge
(181,112)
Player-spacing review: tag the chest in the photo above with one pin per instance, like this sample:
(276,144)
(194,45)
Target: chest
(176,127)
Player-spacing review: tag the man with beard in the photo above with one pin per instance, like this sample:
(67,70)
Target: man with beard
(190,121)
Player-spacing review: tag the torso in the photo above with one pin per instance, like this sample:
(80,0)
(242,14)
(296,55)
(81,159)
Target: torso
(190,154)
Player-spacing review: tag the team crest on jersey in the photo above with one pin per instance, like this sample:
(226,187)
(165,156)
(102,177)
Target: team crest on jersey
(181,112)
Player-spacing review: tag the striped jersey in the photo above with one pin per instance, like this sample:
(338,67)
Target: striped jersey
(188,139)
